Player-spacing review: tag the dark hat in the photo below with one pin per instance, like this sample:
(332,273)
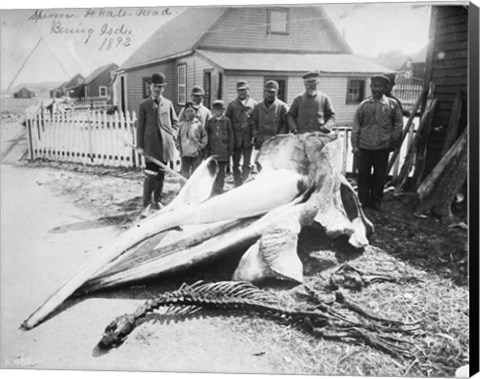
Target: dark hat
(197,90)
(159,79)
(218,104)
(311,75)
(242,84)
(380,77)
(271,85)
(391,77)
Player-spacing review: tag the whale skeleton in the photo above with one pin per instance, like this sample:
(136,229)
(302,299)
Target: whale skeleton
(299,183)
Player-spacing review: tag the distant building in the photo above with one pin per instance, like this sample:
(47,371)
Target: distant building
(24,93)
(59,91)
(412,70)
(257,44)
(74,87)
(99,82)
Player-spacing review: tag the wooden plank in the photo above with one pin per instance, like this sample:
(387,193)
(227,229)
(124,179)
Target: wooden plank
(406,129)
(453,28)
(456,81)
(440,73)
(452,54)
(451,46)
(30,139)
(424,135)
(453,124)
(455,63)
(411,156)
(452,37)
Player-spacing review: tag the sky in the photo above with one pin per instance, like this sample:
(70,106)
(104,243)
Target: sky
(76,40)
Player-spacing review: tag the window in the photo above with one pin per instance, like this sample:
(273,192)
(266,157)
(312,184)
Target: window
(355,91)
(146,87)
(408,74)
(102,91)
(182,84)
(278,21)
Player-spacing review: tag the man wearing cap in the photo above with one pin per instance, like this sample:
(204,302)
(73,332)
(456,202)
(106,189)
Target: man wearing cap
(391,83)
(377,130)
(269,117)
(311,111)
(239,111)
(156,135)
(201,111)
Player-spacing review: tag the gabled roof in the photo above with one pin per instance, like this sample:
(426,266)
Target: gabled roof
(421,55)
(190,29)
(100,70)
(72,83)
(177,36)
(62,85)
(23,89)
(327,63)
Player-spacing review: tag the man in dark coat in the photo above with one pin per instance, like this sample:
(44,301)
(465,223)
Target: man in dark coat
(311,111)
(269,117)
(156,135)
(239,111)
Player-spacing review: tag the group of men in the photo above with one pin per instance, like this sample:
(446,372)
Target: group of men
(376,130)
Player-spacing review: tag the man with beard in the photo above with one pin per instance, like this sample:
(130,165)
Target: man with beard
(376,131)
(311,111)
(156,135)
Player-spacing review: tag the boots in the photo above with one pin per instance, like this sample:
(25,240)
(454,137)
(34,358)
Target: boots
(148,189)
(157,190)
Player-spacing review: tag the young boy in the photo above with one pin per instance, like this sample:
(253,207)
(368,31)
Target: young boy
(192,139)
(220,142)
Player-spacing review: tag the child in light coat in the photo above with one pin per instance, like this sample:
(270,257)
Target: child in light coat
(192,139)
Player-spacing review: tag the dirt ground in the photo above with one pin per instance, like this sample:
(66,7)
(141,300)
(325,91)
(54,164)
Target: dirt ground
(55,216)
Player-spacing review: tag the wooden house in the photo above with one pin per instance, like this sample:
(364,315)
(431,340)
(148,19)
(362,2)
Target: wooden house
(412,71)
(447,69)
(24,93)
(99,82)
(74,88)
(59,91)
(214,47)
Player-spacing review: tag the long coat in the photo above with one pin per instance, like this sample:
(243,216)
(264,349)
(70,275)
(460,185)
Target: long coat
(269,121)
(157,129)
(311,113)
(220,138)
(240,116)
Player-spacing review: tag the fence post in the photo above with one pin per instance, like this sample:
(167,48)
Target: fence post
(90,141)
(30,142)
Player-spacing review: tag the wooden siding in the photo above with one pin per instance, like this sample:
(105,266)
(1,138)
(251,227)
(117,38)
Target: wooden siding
(246,29)
(92,89)
(134,84)
(196,67)
(449,72)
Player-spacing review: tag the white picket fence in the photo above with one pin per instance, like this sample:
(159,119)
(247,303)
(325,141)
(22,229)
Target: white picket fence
(92,138)
(408,93)
(95,138)
(95,103)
